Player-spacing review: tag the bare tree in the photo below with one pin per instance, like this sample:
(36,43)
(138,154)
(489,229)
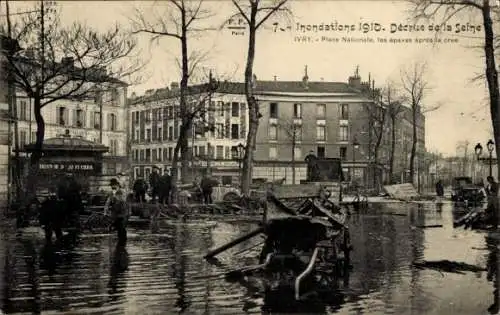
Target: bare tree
(394,109)
(293,132)
(180,21)
(449,9)
(33,50)
(375,114)
(415,86)
(255,13)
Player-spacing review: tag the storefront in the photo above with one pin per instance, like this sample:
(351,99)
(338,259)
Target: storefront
(65,154)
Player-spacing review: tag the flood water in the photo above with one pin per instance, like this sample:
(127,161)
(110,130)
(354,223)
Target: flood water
(165,273)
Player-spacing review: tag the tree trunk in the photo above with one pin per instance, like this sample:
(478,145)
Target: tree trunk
(414,142)
(31,181)
(393,148)
(492,79)
(186,121)
(253,106)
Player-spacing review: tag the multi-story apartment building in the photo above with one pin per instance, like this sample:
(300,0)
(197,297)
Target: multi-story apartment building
(298,118)
(100,117)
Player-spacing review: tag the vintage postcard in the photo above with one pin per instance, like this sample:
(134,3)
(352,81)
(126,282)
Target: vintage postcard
(249,157)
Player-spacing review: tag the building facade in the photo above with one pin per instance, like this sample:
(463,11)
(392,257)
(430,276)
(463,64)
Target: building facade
(82,118)
(297,118)
(99,116)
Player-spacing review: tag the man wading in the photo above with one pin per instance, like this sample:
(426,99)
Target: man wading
(116,206)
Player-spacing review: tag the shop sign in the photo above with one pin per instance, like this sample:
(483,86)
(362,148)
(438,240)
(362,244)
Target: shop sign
(77,167)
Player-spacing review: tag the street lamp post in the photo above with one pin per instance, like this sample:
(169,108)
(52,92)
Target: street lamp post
(355,146)
(478,149)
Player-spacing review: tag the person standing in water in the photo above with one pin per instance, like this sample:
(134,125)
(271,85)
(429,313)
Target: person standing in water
(116,207)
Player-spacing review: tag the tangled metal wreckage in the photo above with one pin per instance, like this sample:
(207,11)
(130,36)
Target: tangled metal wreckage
(305,251)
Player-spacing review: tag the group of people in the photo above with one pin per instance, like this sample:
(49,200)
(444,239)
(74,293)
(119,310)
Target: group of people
(161,187)
(64,204)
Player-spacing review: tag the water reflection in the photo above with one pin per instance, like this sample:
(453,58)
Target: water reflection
(119,264)
(492,271)
(165,273)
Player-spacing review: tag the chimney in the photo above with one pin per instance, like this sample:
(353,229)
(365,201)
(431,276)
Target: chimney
(174,86)
(305,79)
(355,80)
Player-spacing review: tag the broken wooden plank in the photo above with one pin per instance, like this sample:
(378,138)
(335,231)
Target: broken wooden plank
(234,242)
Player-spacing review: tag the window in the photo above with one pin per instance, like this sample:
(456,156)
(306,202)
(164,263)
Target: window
(97,120)
(344,111)
(273,132)
(113,147)
(235,109)
(321,111)
(148,115)
(321,152)
(23,110)
(22,138)
(297,110)
(273,110)
(112,122)
(234,153)
(235,131)
(137,172)
(154,154)
(33,136)
(202,151)
(136,138)
(219,131)
(273,153)
(148,134)
(344,133)
(321,133)
(80,118)
(141,155)
(115,97)
(148,155)
(220,108)
(147,172)
(160,132)
(227,180)
(297,152)
(343,153)
(170,154)
(170,133)
(61,117)
(219,152)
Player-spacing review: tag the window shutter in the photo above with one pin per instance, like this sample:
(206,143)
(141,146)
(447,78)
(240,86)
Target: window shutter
(227,109)
(66,117)
(243,121)
(84,119)
(75,117)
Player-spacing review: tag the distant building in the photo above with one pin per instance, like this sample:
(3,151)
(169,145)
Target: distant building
(298,117)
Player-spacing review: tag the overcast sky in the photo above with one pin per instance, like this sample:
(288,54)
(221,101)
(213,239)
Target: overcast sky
(463,116)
